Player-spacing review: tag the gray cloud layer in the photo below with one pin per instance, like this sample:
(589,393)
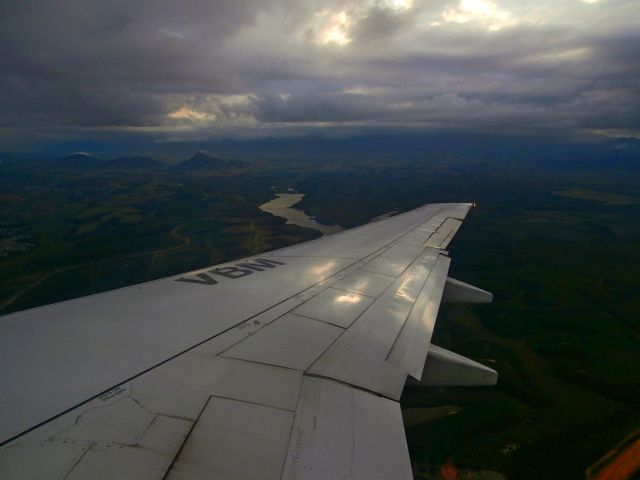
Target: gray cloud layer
(199,68)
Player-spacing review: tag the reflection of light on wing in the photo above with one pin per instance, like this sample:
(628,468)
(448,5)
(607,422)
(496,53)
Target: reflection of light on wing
(403,290)
(349,298)
(407,289)
(322,269)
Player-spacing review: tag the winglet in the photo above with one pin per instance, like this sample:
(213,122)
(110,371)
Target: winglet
(447,369)
(456,291)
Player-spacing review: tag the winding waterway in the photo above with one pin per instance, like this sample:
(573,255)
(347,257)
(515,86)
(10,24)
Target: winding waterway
(281,207)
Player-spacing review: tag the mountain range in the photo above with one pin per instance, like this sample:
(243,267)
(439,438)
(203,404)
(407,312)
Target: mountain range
(199,162)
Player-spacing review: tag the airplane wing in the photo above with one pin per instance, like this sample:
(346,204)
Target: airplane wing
(287,365)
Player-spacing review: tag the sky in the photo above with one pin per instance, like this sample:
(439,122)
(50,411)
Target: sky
(191,70)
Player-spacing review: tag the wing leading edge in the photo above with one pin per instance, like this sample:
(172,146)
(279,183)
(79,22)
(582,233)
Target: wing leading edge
(288,365)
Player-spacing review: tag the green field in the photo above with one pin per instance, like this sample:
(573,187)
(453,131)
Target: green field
(560,249)
(95,231)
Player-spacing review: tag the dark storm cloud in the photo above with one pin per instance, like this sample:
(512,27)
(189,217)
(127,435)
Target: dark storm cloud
(206,67)
(316,107)
(109,63)
(380,24)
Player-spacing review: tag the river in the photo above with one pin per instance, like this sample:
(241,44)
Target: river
(281,207)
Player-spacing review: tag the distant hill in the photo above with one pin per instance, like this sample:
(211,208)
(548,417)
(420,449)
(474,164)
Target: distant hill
(77,160)
(132,163)
(203,161)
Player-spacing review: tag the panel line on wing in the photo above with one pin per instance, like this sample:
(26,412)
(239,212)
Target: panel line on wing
(349,291)
(235,399)
(184,441)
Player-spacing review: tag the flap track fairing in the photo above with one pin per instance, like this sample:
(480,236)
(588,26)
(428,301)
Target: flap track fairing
(456,291)
(448,369)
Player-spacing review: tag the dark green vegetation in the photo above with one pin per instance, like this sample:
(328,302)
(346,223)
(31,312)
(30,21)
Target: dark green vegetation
(73,232)
(559,248)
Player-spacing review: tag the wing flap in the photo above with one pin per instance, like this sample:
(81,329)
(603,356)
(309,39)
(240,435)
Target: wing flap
(235,440)
(344,432)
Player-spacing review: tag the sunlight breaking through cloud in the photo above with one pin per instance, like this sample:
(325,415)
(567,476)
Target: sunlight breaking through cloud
(337,29)
(399,4)
(481,11)
(186,113)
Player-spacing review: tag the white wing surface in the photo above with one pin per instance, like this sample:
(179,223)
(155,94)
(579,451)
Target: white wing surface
(288,365)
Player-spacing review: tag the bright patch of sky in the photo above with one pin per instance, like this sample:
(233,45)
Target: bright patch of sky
(481,11)
(336,29)
(186,113)
(398,4)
